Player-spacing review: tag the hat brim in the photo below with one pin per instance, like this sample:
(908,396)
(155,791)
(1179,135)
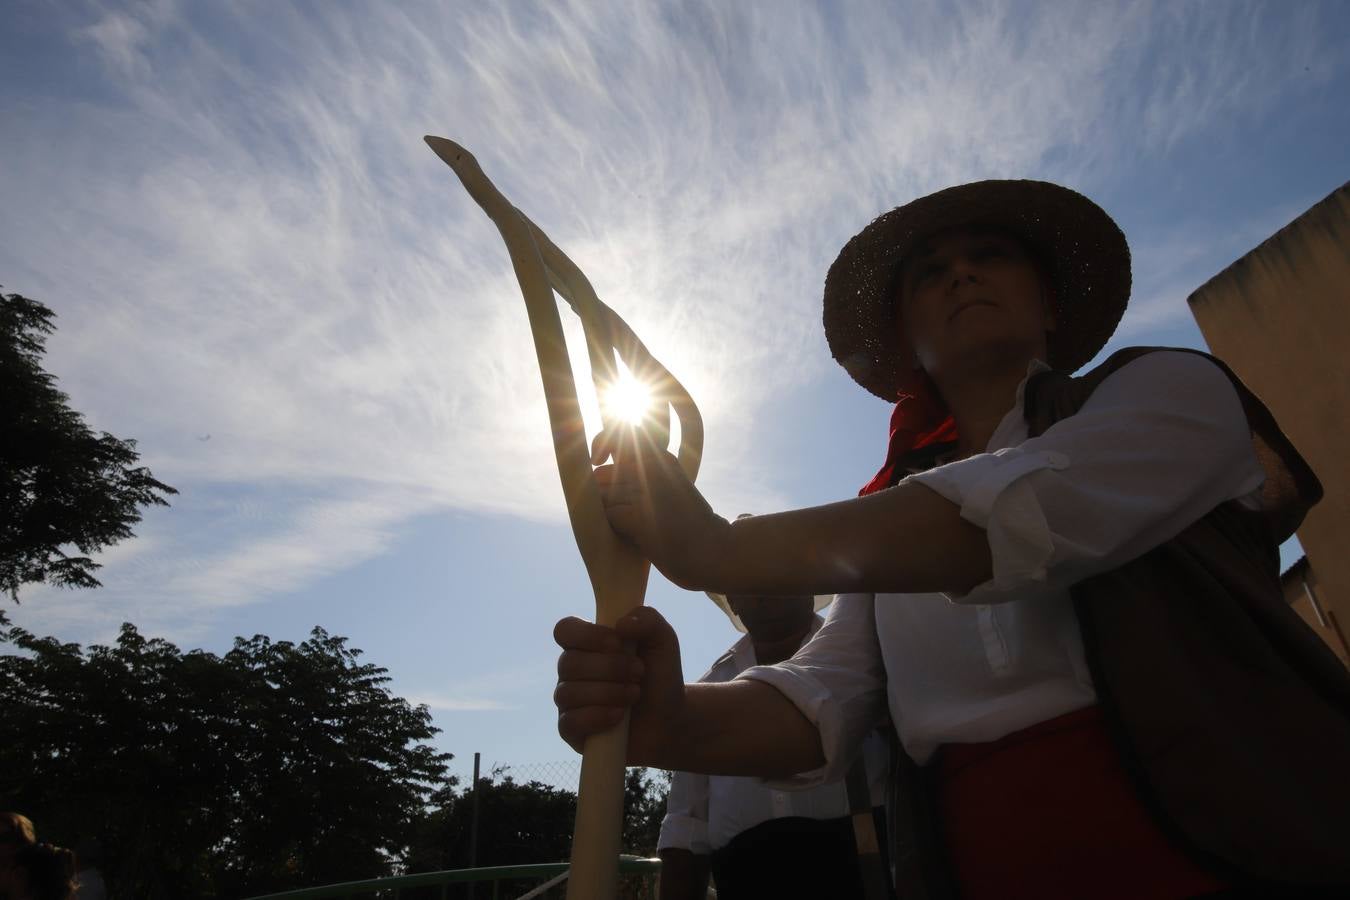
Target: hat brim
(821,601)
(1085,253)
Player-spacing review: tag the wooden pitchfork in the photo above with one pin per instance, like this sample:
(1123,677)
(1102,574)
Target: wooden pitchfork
(618,574)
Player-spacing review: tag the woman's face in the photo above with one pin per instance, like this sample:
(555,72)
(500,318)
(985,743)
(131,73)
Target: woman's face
(967,293)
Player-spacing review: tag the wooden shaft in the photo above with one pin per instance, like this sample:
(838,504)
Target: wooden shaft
(618,575)
(574,287)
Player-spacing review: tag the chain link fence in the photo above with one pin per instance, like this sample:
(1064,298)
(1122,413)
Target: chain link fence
(563,774)
(553,782)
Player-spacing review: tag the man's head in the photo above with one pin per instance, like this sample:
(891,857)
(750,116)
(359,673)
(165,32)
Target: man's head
(771,612)
(773,618)
(968,294)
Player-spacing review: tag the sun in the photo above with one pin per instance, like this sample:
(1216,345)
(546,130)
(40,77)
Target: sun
(628,399)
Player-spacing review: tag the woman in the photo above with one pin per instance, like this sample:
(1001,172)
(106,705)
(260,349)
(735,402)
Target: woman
(1064,591)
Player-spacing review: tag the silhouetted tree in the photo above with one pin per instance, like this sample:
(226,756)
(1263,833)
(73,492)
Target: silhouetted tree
(275,766)
(61,485)
(644,806)
(530,822)
(518,823)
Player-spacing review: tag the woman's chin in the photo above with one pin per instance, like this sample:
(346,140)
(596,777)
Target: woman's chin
(976,351)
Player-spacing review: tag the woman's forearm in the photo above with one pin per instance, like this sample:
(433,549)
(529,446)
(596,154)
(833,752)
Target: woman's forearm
(739,728)
(908,539)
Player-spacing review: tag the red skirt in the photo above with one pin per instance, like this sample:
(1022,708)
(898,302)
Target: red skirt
(1048,812)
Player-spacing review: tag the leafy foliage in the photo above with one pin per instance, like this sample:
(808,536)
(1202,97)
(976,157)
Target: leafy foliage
(530,822)
(276,766)
(644,807)
(60,484)
(518,823)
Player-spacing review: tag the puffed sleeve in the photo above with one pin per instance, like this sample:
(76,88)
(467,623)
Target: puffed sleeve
(838,681)
(1159,443)
(685,826)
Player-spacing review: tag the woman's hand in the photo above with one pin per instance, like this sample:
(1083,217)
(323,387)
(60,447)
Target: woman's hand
(599,679)
(650,502)
(736,728)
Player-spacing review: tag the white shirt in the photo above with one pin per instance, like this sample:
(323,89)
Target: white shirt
(1160,443)
(704,812)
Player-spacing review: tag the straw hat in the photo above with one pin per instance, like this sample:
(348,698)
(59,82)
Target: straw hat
(1084,252)
(822,600)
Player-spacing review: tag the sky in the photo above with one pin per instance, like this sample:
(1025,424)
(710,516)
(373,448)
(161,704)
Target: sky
(263,275)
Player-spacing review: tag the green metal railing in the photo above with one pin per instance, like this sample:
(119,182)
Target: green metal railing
(422,885)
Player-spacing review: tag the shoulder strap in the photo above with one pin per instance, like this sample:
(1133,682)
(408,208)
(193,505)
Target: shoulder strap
(1290,488)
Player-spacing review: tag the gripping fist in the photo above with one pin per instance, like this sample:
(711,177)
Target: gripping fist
(600,678)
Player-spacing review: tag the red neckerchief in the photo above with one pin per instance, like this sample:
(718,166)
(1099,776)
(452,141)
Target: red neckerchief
(920,420)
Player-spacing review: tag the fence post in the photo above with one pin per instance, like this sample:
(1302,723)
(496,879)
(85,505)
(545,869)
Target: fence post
(473,825)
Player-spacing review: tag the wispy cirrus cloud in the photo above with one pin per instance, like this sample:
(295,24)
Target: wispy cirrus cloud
(499,690)
(246,239)
(121,36)
(1171,263)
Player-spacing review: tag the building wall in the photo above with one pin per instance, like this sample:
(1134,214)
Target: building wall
(1304,594)
(1280,317)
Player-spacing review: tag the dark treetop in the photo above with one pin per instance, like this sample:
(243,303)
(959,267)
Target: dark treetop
(62,487)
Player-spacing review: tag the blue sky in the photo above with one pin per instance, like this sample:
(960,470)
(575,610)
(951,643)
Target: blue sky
(264,276)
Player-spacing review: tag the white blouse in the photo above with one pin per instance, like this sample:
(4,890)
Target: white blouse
(1160,443)
(704,812)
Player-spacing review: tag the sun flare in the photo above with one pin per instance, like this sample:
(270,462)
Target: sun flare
(628,399)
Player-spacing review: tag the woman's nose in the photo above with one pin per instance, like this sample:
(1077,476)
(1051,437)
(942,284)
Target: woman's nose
(963,270)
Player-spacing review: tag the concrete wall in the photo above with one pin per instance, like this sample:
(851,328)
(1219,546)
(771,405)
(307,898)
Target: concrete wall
(1280,317)
(1304,594)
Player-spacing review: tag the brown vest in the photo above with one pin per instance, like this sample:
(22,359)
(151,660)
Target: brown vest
(1230,714)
